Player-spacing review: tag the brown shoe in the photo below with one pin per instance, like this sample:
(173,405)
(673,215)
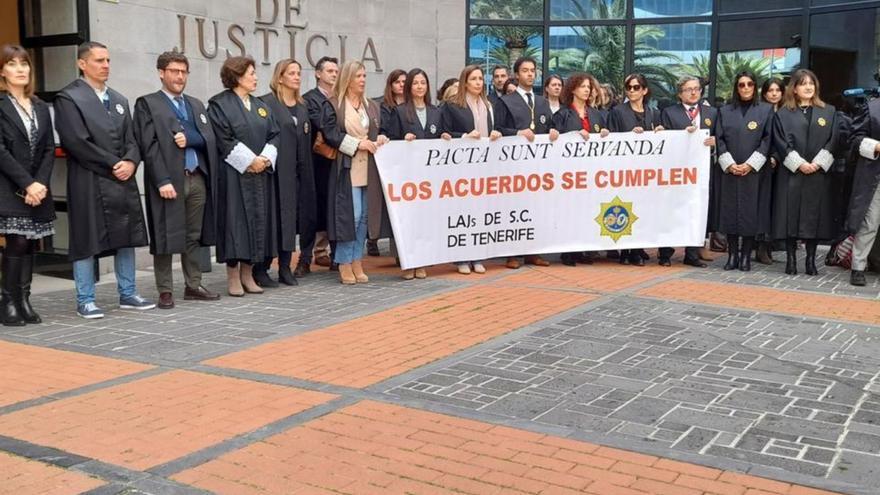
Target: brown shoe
(705,254)
(322,260)
(408,274)
(421,273)
(536,260)
(718,242)
(247,279)
(358,269)
(166,300)
(513,263)
(199,294)
(233,281)
(301,270)
(346,276)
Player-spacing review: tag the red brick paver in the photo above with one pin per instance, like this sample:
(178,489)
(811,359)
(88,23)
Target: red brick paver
(20,476)
(766,299)
(604,276)
(152,421)
(373,448)
(364,351)
(28,372)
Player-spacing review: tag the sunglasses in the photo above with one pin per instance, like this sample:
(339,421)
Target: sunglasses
(634,87)
(746,84)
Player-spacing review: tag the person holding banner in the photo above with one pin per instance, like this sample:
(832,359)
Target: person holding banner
(356,204)
(577,115)
(415,119)
(743,132)
(523,113)
(636,116)
(690,115)
(469,114)
(805,134)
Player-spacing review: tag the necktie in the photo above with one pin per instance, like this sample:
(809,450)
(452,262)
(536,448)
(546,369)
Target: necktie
(531,110)
(191,157)
(106,101)
(692,113)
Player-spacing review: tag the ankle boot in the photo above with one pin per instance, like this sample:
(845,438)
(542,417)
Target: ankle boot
(346,276)
(260,273)
(247,279)
(9,312)
(286,276)
(233,281)
(358,269)
(745,254)
(24,301)
(810,262)
(732,252)
(764,254)
(791,256)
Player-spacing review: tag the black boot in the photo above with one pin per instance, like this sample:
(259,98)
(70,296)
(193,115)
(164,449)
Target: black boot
(810,262)
(27,276)
(745,254)
(791,256)
(857,278)
(9,313)
(261,276)
(732,252)
(286,277)
(568,259)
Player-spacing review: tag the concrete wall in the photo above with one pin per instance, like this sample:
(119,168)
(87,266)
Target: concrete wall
(406,34)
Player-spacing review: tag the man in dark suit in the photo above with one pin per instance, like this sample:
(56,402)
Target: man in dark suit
(103,200)
(500,75)
(523,113)
(180,156)
(326,73)
(689,115)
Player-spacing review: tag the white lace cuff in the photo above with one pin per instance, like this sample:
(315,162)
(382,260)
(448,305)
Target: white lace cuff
(757,161)
(824,159)
(793,161)
(868,148)
(240,157)
(270,152)
(725,161)
(349,145)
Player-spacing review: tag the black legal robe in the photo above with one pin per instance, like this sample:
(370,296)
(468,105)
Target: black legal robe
(322,118)
(295,133)
(405,122)
(104,213)
(803,204)
(18,167)
(458,121)
(622,118)
(866,178)
(156,123)
(246,223)
(567,120)
(512,114)
(744,207)
(386,117)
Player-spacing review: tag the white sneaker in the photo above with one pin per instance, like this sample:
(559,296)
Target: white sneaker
(479,268)
(464,268)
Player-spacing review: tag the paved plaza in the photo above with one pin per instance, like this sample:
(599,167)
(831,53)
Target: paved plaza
(602,379)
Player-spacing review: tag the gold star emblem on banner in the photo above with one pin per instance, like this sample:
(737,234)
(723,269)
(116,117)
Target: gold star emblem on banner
(616,219)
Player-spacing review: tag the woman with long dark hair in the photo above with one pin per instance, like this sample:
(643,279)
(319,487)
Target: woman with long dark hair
(805,135)
(635,115)
(771,92)
(743,135)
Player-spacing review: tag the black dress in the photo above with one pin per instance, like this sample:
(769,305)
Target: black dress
(802,204)
(246,224)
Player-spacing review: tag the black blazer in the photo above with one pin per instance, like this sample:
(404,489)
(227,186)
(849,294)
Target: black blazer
(623,119)
(567,120)
(675,117)
(18,169)
(403,124)
(458,121)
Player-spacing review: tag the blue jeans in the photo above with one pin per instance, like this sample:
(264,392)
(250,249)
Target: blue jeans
(84,276)
(348,251)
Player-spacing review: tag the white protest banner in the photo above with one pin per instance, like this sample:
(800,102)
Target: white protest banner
(468,199)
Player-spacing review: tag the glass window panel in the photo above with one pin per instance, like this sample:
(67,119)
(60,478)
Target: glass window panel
(737,6)
(765,64)
(665,52)
(837,2)
(598,50)
(845,51)
(587,9)
(515,10)
(48,17)
(671,8)
(56,66)
(502,45)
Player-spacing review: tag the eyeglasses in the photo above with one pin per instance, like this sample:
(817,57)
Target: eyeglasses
(691,90)
(746,84)
(634,87)
(177,71)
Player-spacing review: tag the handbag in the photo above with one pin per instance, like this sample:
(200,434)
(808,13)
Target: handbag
(322,148)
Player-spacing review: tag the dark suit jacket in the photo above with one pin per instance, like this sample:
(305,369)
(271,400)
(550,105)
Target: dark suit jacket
(403,123)
(458,121)
(18,168)
(512,114)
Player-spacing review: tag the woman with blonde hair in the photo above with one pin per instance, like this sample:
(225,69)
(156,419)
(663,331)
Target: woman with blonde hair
(469,114)
(294,177)
(356,205)
(805,134)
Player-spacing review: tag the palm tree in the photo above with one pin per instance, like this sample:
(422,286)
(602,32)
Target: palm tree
(515,39)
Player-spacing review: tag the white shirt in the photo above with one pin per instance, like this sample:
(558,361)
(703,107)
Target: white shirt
(523,92)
